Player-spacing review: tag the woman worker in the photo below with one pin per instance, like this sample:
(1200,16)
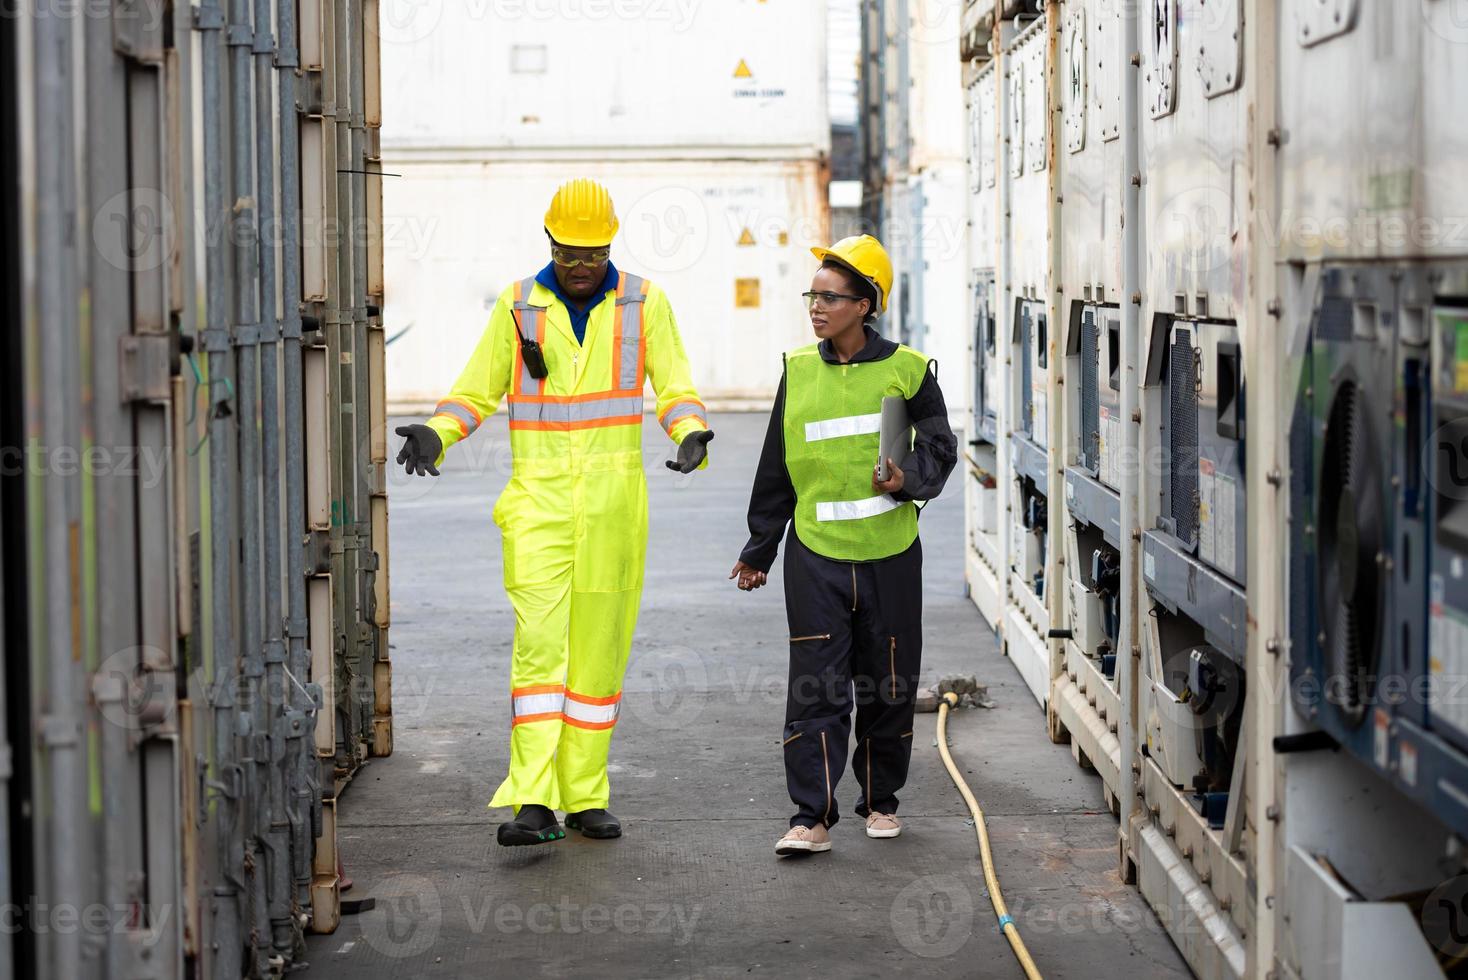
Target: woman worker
(853,564)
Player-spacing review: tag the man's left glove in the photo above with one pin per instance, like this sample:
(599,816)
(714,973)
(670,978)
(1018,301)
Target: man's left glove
(420,449)
(692,451)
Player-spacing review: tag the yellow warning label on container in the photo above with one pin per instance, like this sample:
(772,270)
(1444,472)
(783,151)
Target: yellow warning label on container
(746,294)
(742,70)
(746,237)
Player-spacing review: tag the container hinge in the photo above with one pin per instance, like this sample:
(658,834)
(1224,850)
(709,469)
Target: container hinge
(145,367)
(318,552)
(137,30)
(208,17)
(230,785)
(59,733)
(217,340)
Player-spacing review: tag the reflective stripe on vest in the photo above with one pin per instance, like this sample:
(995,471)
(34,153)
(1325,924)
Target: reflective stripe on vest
(851,425)
(532,325)
(541,703)
(593,713)
(628,353)
(852,510)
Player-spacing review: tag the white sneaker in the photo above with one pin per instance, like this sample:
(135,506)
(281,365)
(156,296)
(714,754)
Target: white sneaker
(883,825)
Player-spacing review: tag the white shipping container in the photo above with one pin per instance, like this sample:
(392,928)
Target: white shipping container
(683,78)
(729,243)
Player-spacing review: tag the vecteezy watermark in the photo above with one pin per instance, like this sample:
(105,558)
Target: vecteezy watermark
(663,685)
(1448,19)
(151,922)
(668,229)
(407,917)
(410,21)
(933,916)
(570,918)
(933,22)
(138,229)
(144,463)
(1445,459)
(1445,917)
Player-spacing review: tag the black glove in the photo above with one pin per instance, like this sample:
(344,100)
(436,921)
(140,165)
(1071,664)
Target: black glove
(420,449)
(691,451)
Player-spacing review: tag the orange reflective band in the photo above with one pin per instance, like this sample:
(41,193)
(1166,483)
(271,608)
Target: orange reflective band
(591,726)
(538,689)
(572,426)
(461,412)
(543,716)
(679,410)
(593,396)
(584,699)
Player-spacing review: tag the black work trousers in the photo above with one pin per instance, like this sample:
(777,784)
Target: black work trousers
(855,641)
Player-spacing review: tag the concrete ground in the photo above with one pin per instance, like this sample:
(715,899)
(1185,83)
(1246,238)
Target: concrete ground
(693,888)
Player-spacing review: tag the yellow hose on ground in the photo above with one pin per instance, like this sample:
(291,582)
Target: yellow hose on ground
(991,880)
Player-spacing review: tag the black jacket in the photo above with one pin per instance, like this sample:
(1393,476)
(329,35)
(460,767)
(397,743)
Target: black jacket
(772,500)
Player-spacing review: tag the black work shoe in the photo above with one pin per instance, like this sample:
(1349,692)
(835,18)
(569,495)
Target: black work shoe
(597,824)
(534,824)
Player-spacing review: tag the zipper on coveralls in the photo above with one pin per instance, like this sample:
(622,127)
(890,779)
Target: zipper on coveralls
(892,666)
(813,636)
(826,762)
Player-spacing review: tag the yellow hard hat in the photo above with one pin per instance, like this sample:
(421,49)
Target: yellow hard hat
(865,256)
(581,215)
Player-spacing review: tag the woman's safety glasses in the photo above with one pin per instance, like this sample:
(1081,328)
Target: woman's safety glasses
(827,300)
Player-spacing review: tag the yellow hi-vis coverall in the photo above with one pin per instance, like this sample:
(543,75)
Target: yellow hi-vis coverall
(573,516)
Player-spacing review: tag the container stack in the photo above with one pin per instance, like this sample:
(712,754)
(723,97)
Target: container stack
(1217,337)
(715,149)
(912,111)
(195,601)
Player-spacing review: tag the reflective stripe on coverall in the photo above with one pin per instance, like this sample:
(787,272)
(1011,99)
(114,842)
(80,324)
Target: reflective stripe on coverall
(573,516)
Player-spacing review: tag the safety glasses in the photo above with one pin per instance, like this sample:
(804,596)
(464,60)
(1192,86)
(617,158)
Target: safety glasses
(571,257)
(827,300)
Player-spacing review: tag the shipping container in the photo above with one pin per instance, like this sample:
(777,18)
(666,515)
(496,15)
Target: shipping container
(913,174)
(685,79)
(729,243)
(194,561)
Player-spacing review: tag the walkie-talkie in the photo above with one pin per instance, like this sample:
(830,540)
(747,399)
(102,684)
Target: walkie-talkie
(530,352)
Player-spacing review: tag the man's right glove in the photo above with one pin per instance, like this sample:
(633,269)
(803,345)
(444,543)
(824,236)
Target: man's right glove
(420,449)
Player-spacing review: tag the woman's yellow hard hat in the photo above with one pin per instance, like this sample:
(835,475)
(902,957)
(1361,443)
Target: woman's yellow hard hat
(865,256)
(581,215)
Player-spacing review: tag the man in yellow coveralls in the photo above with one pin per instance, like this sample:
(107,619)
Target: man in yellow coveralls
(571,347)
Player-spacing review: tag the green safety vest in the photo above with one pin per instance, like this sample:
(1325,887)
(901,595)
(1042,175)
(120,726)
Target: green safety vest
(833,433)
